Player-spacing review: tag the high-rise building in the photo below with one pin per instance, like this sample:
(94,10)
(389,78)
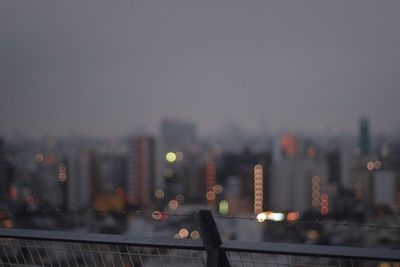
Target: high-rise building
(141,175)
(289,145)
(384,187)
(80,180)
(364,136)
(333,160)
(112,173)
(251,172)
(194,180)
(297,184)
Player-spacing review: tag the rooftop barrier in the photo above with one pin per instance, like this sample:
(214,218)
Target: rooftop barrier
(21,247)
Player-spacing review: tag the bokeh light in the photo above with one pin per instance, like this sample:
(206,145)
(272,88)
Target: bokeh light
(159,193)
(183,233)
(173,204)
(170,157)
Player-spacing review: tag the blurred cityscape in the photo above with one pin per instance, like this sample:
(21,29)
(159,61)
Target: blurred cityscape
(285,185)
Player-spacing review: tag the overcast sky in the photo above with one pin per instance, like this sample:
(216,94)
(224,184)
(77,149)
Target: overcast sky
(105,68)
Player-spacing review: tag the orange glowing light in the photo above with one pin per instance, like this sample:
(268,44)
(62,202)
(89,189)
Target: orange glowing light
(8,223)
(210,196)
(292,216)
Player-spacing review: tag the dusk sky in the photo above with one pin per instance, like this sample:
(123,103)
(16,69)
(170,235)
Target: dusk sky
(106,68)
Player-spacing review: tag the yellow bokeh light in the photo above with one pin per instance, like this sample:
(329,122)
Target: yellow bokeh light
(224,207)
(170,157)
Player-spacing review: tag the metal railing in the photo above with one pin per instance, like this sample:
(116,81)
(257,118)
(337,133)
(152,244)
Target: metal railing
(20,247)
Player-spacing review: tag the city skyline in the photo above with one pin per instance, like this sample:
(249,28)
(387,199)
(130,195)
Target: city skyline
(109,69)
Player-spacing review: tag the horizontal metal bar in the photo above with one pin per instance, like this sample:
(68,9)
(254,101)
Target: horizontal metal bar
(64,236)
(313,250)
(392,255)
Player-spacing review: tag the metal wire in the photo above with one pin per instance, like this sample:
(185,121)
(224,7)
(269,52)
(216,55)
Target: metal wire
(28,252)
(393,227)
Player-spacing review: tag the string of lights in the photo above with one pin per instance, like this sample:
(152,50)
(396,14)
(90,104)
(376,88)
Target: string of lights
(177,215)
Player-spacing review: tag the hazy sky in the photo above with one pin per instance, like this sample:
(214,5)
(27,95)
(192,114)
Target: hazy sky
(107,67)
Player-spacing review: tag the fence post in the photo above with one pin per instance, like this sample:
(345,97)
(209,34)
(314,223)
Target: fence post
(211,239)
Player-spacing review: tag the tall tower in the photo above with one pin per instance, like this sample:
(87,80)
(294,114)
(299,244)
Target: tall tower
(289,145)
(80,182)
(140,184)
(193,179)
(333,160)
(364,136)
